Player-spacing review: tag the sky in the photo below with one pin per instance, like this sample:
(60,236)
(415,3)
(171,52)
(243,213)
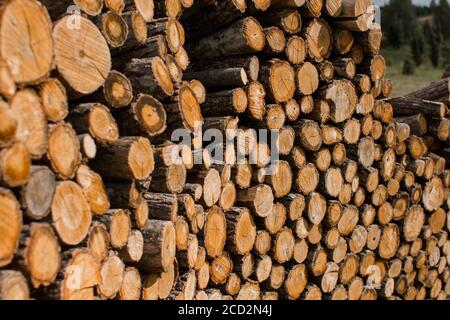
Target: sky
(418,2)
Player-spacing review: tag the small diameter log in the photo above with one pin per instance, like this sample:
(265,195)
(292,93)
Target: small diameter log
(88,146)
(118,223)
(220,269)
(7,85)
(243,37)
(225,103)
(13,286)
(117,91)
(309,134)
(145,116)
(15,165)
(127,158)
(94,189)
(259,199)
(92,56)
(295,50)
(98,241)
(71,213)
(307,78)
(37,194)
(63,150)
(186,110)
(341,109)
(168,179)
(408,106)
(54,100)
(150,76)
(131,285)
(9,124)
(288,20)
(31,122)
(283,244)
(10,232)
(96,119)
(111,276)
(241,231)
(113,27)
(215,232)
(220,78)
(159,246)
(43,269)
(319,39)
(296,281)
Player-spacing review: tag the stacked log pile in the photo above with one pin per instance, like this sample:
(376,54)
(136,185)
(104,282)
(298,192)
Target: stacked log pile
(98,201)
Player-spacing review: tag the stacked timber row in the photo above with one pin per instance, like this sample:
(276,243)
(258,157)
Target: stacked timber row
(356,207)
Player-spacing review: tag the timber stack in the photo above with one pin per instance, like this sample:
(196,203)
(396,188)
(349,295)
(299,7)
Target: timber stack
(98,201)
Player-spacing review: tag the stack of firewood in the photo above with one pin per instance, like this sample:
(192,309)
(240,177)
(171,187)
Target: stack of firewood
(99,201)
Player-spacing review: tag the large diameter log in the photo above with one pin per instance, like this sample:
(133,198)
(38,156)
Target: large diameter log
(71,213)
(10,226)
(31,122)
(243,37)
(84,65)
(24,18)
(128,158)
(159,246)
(241,230)
(37,194)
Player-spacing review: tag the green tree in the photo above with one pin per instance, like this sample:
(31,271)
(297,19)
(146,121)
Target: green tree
(417,49)
(408,67)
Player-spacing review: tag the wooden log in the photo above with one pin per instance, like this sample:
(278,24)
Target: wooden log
(146,115)
(31,122)
(159,246)
(246,36)
(64,163)
(122,156)
(341,110)
(319,39)
(131,285)
(407,106)
(71,54)
(15,165)
(215,232)
(287,19)
(186,110)
(94,189)
(437,91)
(95,119)
(71,215)
(279,77)
(259,199)
(13,286)
(150,76)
